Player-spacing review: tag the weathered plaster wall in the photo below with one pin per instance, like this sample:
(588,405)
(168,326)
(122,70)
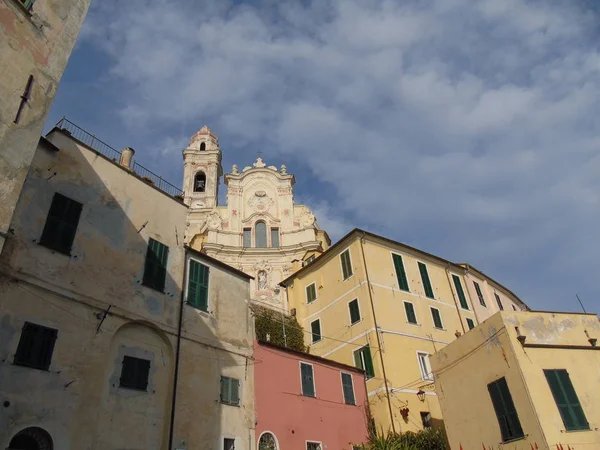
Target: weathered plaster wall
(39,44)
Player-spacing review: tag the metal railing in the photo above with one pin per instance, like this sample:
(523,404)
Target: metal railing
(103,148)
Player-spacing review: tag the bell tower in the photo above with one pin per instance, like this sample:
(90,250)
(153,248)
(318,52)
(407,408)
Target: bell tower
(202,170)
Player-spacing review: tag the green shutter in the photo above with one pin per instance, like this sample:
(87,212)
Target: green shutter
(426,280)
(400,273)
(346,264)
(366,351)
(155,269)
(308,385)
(479,293)
(358,360)
(500,305)
(510,426)
(470,324)
(411,317)
(354,312)
(566,400)
(311,293)
(316,331)
(460,292)
(198,285)
(437,319)
(348,389)
(61,224)
(235,391)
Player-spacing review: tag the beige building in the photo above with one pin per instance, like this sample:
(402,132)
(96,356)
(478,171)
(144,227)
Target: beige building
(114,334)
(386,307)
(260,231)
(36,39)
(522,380)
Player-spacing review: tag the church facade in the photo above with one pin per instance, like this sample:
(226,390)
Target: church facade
(260,231)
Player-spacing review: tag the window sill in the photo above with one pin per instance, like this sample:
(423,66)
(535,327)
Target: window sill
(309,396)
(414,324)
(346,279)
(197,308)
(153,288)
(236,405)
(508,441)
(131,388)
(56,250)
(439,329)
(356,323)
(576,431)
(22,7)
(31,366)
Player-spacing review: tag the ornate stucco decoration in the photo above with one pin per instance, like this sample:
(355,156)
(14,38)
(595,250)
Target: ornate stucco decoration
(213,221)
(259,163)
(307,219)
(260,201)
(263,280)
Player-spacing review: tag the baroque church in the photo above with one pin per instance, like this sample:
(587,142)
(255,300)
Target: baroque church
(260,231)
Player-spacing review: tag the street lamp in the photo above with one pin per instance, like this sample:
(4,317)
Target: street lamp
(421,395)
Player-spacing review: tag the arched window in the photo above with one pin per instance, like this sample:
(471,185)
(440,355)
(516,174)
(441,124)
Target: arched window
(267,441)
(203,146)
(200,182)
(260,235)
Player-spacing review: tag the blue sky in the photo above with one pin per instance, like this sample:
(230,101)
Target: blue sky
(467,128)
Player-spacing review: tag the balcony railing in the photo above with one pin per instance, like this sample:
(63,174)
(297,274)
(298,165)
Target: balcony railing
(103,148)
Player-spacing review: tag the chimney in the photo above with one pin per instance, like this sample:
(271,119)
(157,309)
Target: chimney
(126,157)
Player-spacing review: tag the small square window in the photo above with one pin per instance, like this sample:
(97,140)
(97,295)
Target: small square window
(470,323)
(134,373)
(313,446)
(228,444)
(230,391)
(36,346)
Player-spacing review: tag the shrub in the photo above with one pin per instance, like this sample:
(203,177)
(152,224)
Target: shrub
(272,323)
(429,439)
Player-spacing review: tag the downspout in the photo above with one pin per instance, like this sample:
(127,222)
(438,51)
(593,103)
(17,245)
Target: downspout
(387,391)
(455,301)
(178,350)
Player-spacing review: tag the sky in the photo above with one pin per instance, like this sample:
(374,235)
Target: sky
(467,128)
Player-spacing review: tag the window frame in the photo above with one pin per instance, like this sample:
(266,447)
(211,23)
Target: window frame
(272,434)
(239,391)
(187,285)
(347,250)
(256,234)
(353,403)
(319,443)
(225,438)
(308,302)
(147,282)
(135,387)
(426,421)
(45,239)
(426,366)
(496,383)
(479,293)
(312,333)
(27,5)
(249,230)
(432,308)
(408,289)
(499,301)
(314,384)
(568,403)
(470,323)
(368,375)
(32,329)
(350,312)
(416,323)
(419,264)
(276,230)
(456,278)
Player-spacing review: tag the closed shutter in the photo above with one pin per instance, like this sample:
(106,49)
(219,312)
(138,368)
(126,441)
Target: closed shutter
(308,386)
(500,305)
(437,319)
(411,317)
(400,273)
(510,426)
(311,293)
(61,224)
(225,390)
(198,285)
(426,281)
(235,391)
(348,389)
(155,269)
(316,331)
(566,399)
(36,346)
(470,324)
(479,293)
(134,373)
(459,291)
(346,265)
(354,312)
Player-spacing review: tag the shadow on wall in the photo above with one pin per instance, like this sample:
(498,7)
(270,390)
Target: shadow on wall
(109,382)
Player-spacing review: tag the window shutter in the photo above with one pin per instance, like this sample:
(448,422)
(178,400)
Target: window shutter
(308,387)
(348,389)
(500,305)
(400,273)
(470,324)
(358,362)
(155,268)
(235,391)
(368,362)
(346,264)
(479,293)
(510,426)
(48,341)
(61,224)
(316,331)
(566,399)
(224,389)
(426,280)
(354,312)
(459,291)
(437,319)
(410,312)
(202,296)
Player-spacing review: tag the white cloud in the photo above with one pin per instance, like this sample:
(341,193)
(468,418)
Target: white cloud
(468,126)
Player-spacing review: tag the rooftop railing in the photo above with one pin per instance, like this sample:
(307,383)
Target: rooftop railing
(106,150)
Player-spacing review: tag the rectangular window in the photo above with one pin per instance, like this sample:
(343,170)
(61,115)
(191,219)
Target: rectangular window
(437,318)
(346,264)
(310,259)
(134,373)
(311,293)
(197,294)
(479,293)
(61,224)
(230,391)
(500,305)
(363,360)
(411,317)
(247,237)
(426,281)
(228,444)
(348,389)
(27,4)
(313,446)
(459,291)
(315,328)
(400,272)
(354,311)
(36,346)
(424,366)
(308,380)
(426,419)
(275,237)
(508,419)
(566,400)
(470,323)
(155,269)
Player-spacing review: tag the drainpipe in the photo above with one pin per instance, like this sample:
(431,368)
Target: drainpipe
(454,297)
(176,375)
(387,391)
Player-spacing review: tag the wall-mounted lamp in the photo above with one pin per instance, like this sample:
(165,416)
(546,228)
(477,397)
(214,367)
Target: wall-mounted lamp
(421,395)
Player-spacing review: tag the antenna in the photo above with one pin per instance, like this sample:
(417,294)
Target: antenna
(579,300)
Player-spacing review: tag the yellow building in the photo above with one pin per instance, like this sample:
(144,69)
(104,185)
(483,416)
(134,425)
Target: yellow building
(525,378)
(385,307)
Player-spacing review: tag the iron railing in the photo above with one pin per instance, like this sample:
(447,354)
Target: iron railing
(104,149)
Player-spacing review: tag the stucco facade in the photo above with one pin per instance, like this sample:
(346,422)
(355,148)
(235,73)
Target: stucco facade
(526,350)
(35,45)
(98,300)
(260,231)
(291,417)
(360,273)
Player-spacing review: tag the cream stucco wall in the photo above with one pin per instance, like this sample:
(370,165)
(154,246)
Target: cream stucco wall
(491,351)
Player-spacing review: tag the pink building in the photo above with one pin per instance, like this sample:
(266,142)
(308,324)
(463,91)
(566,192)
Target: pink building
(305,402)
